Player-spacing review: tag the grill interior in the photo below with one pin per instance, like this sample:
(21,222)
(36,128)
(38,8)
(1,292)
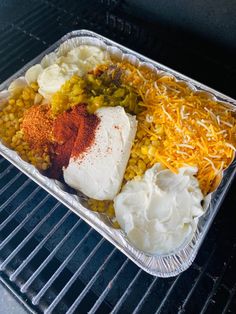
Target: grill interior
(52,260)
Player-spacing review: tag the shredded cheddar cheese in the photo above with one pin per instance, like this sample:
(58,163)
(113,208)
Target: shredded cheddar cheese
(184,127)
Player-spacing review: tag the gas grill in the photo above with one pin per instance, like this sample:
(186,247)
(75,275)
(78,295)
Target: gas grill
(51,259)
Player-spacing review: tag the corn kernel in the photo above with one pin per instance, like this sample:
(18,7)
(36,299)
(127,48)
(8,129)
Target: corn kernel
(19,103)
(9,133)
(155,143)
(140,134)
(12,101)
(34,86)
(74,79)
(8,123)
(11,116)
(144,150)
(152,151)
(132,161)
(141,165)
(25,95)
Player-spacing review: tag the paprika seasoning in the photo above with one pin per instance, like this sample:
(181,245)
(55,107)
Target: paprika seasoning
(73,133)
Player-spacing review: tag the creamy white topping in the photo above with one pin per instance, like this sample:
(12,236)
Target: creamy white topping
(161,209)
(51,79)
(84,57)
(33,73)
(16,87)
(54,70)
(99,172)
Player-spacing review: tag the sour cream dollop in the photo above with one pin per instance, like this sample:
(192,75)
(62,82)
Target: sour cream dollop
(161,209)
(51,79)
(98,172)
(55,69)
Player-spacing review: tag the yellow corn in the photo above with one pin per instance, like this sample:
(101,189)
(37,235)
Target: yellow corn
(144,150)
(152,151)
(12,101)
(10,119)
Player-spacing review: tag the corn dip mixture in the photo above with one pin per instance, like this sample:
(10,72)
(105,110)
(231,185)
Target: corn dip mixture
(176,125)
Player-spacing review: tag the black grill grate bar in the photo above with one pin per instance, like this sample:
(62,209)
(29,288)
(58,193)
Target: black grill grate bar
(41,243)
(75,304)
(107,289)
(201,274)
(72,280)
(230,299)
(19,48)
(15,194)
(57,6)
(23,243)
(139,305)
(37,16)
(16,47)
(37,272)
(126,293)
(62,10)
(73,5)
(21,225)
(161,306)
(37,29)
(18,23)
(216,285)
(2,159)
(7,36)
(13,214)
(12,61)
(53,34)
(19,28)
(85,18)
(6,171)
(10,182)
(36,298)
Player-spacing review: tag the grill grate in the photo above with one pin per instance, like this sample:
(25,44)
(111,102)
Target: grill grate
(49,257)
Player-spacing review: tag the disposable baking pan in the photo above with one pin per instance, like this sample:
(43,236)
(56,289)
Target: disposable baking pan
(158,265)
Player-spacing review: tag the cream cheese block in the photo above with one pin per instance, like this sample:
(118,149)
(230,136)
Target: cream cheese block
(98,172)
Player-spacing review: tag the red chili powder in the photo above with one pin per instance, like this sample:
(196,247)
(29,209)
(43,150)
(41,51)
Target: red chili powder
(73,133)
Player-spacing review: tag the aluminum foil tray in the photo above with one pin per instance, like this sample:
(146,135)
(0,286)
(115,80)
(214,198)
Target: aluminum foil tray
(157,265)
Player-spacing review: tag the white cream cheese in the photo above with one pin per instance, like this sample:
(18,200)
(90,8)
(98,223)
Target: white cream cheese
(99,172)
(161,209)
